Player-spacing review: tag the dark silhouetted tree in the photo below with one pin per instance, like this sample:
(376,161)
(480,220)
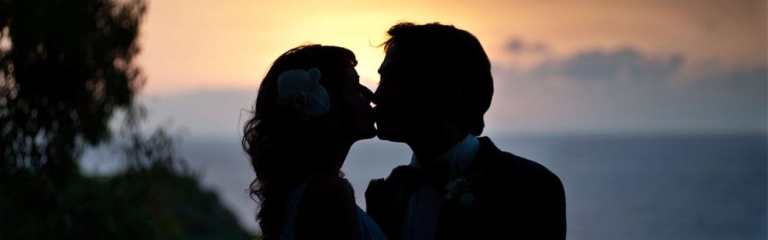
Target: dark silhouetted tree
(65,68)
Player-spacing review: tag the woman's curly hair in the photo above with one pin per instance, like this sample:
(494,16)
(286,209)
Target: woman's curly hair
(277,138)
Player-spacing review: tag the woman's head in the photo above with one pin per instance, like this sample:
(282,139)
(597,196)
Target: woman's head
(288,143)
(349,117)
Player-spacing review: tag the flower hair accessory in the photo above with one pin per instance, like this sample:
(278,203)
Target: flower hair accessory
(302,89)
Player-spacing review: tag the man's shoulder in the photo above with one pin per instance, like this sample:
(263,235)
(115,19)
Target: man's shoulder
(517,163)
(512,185)
(510,166)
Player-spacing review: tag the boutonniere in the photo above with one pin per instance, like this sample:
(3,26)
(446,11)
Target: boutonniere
(460,190)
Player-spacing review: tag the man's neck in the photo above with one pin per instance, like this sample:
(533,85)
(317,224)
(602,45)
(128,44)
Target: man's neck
(428,149)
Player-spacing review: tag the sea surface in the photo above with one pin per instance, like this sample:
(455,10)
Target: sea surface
(617,186)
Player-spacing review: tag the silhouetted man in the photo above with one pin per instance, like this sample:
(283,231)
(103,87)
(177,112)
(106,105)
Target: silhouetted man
(435,87)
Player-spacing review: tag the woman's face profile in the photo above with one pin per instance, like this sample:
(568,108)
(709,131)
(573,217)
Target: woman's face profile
(356,111)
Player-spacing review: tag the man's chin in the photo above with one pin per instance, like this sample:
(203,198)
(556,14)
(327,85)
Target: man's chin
(369,134)
(389,136)
(365,134)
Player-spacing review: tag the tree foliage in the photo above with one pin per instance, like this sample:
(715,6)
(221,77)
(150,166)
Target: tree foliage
(65,68)
(156,197)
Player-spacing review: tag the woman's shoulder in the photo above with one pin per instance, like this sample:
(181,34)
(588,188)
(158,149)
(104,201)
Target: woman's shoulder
(327,193)
(327,209)
(328,187)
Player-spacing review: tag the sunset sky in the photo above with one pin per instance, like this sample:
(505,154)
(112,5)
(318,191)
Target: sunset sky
(593,67)
(568,66)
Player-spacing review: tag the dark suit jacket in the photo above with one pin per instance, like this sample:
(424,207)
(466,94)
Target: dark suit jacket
(514,198)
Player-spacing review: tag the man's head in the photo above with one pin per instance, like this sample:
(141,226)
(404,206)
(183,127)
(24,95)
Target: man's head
(434,77)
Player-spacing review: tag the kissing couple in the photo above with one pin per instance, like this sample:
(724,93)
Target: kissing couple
(435,88)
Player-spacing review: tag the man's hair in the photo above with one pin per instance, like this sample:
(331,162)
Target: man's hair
(453,69)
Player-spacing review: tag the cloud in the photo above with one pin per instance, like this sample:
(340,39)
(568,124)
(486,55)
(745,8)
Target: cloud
(611,65)
(520,46)
(628,90)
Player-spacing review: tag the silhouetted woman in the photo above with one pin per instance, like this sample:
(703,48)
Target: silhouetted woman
(309,111)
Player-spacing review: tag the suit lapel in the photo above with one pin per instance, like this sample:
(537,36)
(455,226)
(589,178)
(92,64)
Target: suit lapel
(459,220)
(388,199)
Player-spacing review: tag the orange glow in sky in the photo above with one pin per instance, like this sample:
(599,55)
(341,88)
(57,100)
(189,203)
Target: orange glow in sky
(203,44)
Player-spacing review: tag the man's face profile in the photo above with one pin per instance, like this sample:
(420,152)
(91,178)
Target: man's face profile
(392,97)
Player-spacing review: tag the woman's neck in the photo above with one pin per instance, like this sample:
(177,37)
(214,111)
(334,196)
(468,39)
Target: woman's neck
(330,152)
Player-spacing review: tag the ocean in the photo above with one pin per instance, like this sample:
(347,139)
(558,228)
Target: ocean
(617,186)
